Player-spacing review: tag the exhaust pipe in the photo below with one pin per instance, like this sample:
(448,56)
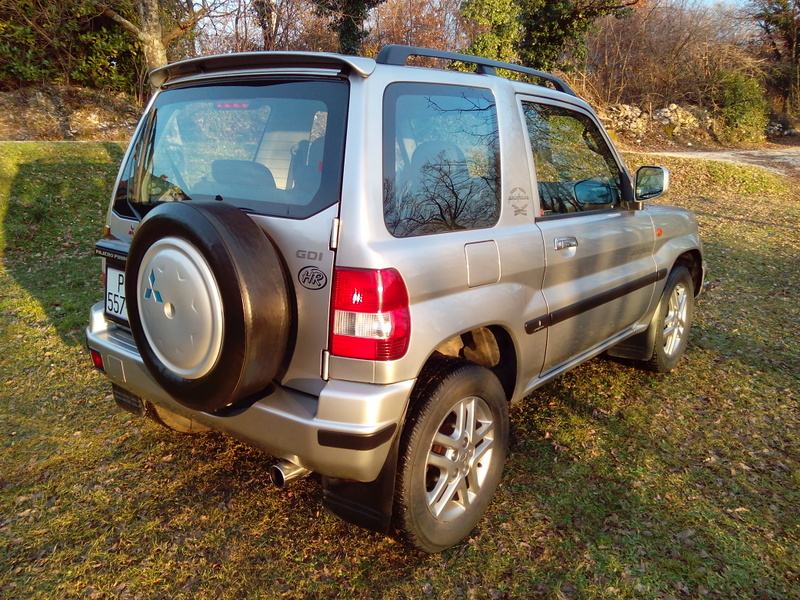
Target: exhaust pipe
(284,471)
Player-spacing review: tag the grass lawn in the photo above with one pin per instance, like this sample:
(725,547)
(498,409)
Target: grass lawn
(620,483)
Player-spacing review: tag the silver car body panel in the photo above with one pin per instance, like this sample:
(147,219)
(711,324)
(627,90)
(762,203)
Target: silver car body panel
(434,267)
(304,245)
(286,423)
(680,235)
(506,276)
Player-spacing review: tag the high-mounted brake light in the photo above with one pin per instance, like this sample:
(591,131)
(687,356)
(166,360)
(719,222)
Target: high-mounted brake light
(233,105)
(370,317)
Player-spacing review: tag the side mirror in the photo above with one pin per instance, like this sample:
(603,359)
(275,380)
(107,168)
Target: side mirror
(594,193)
(651,182)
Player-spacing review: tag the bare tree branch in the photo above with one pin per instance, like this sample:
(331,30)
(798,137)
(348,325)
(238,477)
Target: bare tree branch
(121,21)
(185,25)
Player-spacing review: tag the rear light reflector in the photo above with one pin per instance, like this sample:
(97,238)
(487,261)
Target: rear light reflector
(97,359)
(370,316)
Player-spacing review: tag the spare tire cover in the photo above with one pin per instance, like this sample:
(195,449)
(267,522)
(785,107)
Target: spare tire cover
(209,303)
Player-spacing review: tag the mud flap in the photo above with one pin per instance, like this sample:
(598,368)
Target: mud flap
(640,346)
(367,505)
(637,347)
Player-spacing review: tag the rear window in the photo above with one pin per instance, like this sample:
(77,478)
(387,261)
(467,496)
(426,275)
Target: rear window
(274,148)
(441,159)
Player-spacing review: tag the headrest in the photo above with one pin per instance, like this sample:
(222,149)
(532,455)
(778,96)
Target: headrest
(242,173)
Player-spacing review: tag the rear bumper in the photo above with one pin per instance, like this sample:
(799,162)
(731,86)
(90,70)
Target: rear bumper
(346,432)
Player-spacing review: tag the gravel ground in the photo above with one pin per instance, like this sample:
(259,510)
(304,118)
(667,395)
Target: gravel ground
(785,161)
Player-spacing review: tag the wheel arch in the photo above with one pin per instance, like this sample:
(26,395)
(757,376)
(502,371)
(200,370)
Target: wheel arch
(693,261)
(491,346)
(372,504)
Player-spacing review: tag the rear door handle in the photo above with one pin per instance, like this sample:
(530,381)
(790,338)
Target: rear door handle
(562,243)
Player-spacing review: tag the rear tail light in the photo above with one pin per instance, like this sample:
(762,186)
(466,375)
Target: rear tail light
(97,359)
(370,314)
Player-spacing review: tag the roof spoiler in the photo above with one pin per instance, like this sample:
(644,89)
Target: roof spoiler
(255,61)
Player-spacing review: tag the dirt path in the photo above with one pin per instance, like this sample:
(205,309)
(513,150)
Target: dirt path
(780,160)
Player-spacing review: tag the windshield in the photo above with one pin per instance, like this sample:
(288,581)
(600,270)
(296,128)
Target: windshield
(270,147)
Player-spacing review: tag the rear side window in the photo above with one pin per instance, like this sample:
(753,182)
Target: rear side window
(270,147)
(441,165)
(575,169)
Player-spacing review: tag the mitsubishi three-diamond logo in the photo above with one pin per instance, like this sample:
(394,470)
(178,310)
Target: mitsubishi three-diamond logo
(151,291)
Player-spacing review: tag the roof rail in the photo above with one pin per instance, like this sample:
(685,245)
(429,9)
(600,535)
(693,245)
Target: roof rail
(398,55)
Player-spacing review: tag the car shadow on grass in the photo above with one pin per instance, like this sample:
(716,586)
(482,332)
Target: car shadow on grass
(56,209)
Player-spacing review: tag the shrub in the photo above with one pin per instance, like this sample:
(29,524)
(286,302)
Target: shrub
(743,107)
(64,42)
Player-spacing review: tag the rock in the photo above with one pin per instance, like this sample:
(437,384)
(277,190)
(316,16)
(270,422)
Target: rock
(626,118)
(774,129)
(662,115)
(673,119)
(676,119)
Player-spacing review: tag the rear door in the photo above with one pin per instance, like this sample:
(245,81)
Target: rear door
(600,273)
(275,149)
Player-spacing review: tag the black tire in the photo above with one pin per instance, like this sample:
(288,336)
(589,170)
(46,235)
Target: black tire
(256,300)
(445,382)
(663,361)
(174,421)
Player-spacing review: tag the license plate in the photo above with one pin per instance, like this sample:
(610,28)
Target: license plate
(115,293)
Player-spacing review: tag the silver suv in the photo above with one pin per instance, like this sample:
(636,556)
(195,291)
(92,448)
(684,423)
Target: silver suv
(357,264)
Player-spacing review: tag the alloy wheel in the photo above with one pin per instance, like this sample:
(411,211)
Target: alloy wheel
(675,321)
(459,458)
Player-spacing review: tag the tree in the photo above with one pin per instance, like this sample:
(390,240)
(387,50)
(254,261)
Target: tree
(549,28)
(250,25)
(266,12)
(348,19)
(534,32)
(148,26)
(667,51)
(427,23)
(494,27)
(779,21)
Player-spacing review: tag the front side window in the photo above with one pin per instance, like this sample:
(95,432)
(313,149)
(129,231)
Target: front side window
(270,147)
(575,169)
(441,165)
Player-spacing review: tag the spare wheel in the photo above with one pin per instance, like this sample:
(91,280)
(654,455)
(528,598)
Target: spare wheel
(209,303)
